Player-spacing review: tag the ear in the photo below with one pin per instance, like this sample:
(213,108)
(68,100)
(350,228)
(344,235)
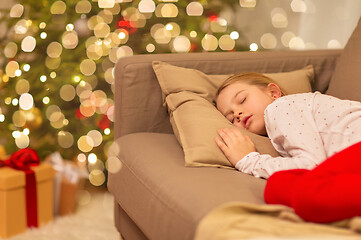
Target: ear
(274,91)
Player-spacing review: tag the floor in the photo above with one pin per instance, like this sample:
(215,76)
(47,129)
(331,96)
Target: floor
(92,220)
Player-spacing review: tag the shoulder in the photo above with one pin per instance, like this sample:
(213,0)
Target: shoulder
(293,100)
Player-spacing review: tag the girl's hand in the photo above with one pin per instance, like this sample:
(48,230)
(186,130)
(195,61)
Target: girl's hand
(234,144)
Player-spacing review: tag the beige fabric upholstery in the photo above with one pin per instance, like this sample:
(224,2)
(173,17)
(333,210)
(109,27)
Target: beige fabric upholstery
(164,198)
(138,96)
(153,190)
(347,76)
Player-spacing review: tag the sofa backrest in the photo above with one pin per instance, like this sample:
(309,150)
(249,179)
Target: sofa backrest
(138,98)
(346,80)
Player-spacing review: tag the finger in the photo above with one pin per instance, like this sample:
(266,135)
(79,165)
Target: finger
(221,145)
(231,133)
(238,133)
(223,133)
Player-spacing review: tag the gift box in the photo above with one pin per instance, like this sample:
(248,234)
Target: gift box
(20,205)
(69,179)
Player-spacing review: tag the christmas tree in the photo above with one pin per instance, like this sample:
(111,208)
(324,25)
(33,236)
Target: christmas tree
(56,68)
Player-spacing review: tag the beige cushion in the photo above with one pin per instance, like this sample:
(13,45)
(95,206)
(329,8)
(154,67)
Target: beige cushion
(189,96)
(346,79)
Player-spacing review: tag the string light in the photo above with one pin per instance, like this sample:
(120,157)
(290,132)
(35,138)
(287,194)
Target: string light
(234,35)
(253,47)
(42,25)
(26,131)
(43,35)
(43,78)
(26,67)
(46,100)
(107,131)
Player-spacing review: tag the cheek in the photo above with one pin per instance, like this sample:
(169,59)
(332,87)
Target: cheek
(238,124)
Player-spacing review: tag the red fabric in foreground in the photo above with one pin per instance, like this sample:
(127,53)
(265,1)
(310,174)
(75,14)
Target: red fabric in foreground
(330,192)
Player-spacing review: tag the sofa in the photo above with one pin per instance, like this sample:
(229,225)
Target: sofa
(156,196)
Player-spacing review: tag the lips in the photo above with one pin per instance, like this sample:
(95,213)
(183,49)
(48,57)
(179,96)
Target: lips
(246,121)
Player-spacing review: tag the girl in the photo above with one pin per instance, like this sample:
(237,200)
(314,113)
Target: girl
(306,129)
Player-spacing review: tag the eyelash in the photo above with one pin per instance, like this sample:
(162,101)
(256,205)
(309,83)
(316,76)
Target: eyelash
(244,99)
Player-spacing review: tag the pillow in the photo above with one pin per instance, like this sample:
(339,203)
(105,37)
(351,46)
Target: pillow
(345,82)
(189,95)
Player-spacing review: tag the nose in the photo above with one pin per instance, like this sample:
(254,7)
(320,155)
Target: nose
(237,115)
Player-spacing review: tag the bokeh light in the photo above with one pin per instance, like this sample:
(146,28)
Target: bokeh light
(194,9)
(83,6)
(22,140)
(10,50)
(87,67)
(26,101)
(234,35)
(70,39)
(54,50)
(67,92)
(248,3)
(11,68)
(146,6)
(58,7)
(286,38)
(209,42)
(85,144)
(334,44)
(268,41)
(298,6)
(296,43)
(22,86)
(226,43)
(96,177)
(106,3)
(65,139)
(113,164)
(16,11)
(181,44)
(253,47)
(279,18)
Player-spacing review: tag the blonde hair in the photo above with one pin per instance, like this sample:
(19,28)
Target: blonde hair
(251,78)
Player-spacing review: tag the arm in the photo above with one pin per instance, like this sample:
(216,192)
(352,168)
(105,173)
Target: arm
(294,135)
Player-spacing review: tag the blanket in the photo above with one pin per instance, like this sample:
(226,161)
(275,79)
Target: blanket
(238,220)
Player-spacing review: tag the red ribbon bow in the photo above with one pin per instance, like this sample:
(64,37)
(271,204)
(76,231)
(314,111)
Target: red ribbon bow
(22,160)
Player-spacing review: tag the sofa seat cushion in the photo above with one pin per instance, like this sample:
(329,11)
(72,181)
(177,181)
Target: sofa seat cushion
(166,199)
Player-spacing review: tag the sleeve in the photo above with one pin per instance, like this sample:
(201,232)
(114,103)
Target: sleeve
(294,135)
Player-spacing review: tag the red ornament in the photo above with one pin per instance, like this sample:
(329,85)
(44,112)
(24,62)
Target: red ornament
(213,18)
(104,122)
(126,26)
(194,47)
(79,115)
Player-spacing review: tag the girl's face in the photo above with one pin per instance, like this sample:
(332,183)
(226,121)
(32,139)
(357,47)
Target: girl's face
(244,104)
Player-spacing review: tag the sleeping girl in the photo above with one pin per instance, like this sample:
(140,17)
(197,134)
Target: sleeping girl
(317,136)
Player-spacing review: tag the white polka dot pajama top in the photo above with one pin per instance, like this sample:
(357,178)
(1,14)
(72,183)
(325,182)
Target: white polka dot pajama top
(305,129)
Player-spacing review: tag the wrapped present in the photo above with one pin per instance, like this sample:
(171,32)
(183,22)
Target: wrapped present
(69,178)
(26,193)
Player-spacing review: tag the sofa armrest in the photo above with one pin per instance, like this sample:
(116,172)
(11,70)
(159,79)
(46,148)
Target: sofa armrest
(138,98)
